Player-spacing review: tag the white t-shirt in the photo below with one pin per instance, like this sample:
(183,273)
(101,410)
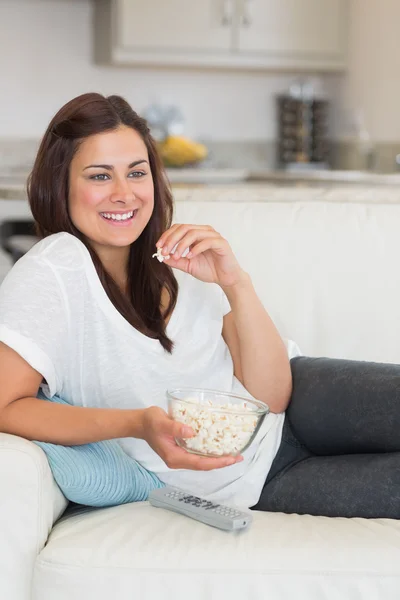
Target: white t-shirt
(55,313)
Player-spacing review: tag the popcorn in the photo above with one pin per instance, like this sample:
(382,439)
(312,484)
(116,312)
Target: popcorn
(217,432)
(159,255)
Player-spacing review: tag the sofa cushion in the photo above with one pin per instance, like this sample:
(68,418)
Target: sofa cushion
(140,552)
(326,271)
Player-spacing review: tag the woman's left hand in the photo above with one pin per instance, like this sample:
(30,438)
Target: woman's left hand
(210,257)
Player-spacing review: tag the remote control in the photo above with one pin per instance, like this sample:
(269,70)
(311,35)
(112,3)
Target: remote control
(217,515)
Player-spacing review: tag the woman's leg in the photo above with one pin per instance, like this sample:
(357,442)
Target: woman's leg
(352,485)
(345,407)
(340,451)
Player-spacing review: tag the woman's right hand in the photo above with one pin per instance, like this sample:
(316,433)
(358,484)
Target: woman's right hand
(160,431)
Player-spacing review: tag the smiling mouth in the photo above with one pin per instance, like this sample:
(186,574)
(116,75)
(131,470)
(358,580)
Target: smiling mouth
(119,218)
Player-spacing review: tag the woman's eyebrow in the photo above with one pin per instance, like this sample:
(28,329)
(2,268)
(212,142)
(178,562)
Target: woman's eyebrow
(111,168)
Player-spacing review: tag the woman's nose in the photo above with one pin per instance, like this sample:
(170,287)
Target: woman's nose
(122,191)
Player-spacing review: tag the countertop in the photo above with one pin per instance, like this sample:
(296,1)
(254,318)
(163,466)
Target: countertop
(221,176)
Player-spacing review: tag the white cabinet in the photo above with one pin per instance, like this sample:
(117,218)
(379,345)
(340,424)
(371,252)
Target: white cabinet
(270,34)
(169,27)
(294,33)
(165,32)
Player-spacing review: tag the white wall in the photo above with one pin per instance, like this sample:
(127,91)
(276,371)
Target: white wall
(46,59)
(373,80)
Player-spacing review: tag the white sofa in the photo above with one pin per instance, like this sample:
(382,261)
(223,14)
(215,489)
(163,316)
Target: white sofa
(329,275)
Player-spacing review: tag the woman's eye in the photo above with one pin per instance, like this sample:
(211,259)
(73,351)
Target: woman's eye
(100,177)
(105,176)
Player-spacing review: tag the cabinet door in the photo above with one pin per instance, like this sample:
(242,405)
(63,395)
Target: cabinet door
(171,30)
(294,32)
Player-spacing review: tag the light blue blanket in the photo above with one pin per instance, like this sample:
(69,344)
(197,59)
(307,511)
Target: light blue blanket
(98,474)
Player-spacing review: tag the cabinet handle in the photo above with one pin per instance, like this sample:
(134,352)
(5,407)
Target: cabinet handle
(227,13)
(245,18)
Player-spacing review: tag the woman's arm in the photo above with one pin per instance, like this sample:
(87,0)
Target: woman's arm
(21,413)
(259,355)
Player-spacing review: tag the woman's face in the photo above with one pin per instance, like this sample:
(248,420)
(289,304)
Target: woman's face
(111,196)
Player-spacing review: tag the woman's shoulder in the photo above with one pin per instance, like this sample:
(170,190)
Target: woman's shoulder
(59,249)
(43,265)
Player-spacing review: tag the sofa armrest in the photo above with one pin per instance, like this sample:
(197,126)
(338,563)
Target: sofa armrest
(30,503)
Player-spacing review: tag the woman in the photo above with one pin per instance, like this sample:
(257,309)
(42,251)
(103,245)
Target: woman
(90,316)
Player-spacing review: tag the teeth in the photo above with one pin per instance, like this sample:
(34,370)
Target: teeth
(118,216)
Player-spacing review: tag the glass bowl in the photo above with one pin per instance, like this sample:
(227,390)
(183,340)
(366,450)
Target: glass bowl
(225,424)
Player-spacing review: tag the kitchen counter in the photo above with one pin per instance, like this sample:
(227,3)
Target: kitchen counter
(227,176)
(267,192)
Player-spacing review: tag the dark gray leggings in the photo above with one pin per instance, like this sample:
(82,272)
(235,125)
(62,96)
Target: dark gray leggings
(340,450)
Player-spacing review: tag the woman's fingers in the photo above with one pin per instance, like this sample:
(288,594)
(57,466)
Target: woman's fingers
(160,434)
(179,458)
(176,233)
(161,241)
(190,238)
(181,263)
(212,243)
(200,463)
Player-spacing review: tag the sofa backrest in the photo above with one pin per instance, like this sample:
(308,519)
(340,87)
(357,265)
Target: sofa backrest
(327,272)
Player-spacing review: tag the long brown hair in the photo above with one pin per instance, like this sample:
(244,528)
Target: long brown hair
(48,190)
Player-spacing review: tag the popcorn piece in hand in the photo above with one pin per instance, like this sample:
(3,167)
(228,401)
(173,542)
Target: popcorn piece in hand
(159,255)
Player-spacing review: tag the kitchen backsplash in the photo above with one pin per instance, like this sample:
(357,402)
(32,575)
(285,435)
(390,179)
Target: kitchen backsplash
(17,155)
